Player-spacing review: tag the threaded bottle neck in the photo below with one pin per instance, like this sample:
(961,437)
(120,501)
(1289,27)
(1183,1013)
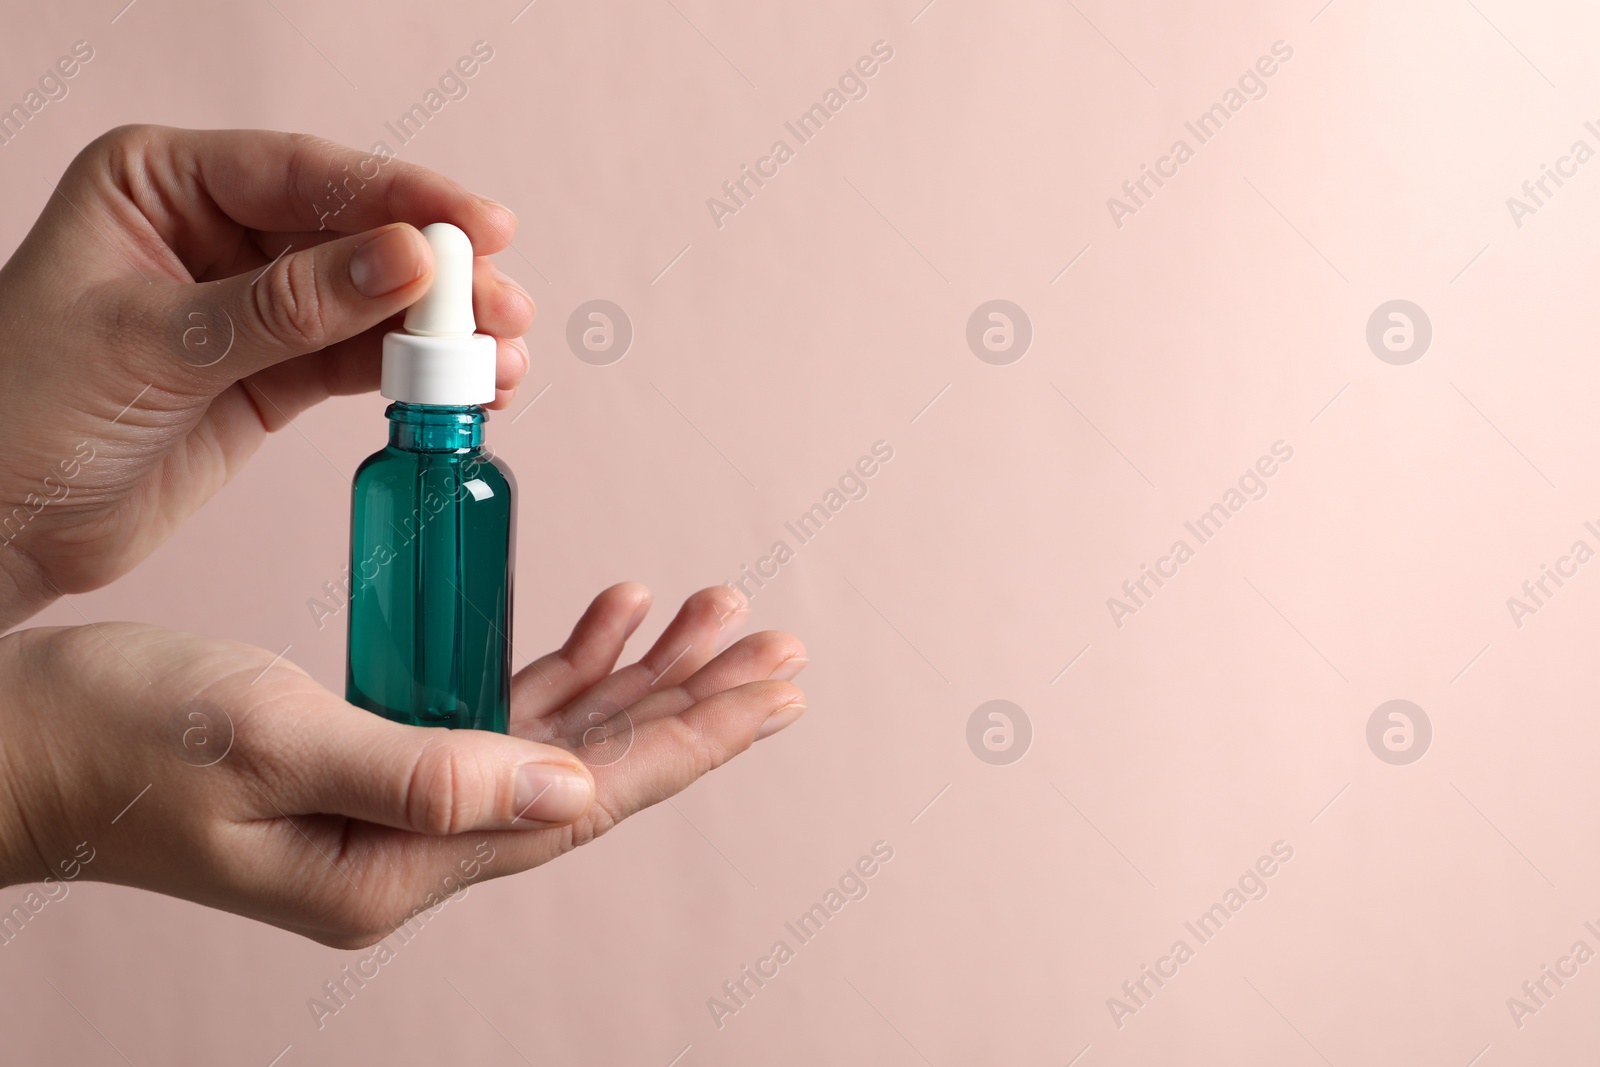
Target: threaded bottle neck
(435,428)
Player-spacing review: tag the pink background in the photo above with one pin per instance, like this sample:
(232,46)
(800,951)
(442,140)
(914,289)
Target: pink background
(1228,714)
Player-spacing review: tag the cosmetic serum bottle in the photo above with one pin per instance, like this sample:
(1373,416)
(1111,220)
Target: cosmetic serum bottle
(433,522)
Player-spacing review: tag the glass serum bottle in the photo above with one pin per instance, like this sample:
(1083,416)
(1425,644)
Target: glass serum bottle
(433,522)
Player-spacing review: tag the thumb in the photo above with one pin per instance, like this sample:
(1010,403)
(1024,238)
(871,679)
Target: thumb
(432,781)
(316,297)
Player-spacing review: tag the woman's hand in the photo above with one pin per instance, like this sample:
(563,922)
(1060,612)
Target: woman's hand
(211,771)
(183,294)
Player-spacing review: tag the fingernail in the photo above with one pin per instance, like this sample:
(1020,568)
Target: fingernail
(639,612)
(779,719)
(502,207)
(388,261)
(734,613)
(548,793)
(789,668)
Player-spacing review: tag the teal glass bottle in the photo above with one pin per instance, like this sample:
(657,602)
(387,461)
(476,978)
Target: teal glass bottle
(432,537)
(433,521)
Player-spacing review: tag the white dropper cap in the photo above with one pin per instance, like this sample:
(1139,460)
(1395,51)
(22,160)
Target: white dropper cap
(439,358)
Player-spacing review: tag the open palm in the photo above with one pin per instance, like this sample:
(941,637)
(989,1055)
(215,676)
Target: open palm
(272,798)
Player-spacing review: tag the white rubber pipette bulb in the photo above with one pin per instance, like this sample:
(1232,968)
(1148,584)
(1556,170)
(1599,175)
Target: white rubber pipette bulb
(445,310)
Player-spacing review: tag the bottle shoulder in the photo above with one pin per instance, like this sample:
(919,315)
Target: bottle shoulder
(387,456)
(490,461)
(479,473)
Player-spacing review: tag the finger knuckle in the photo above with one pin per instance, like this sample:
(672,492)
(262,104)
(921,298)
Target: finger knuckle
(310,167)
(117,143)
(705,749)
(442,795)
(315,147)
(126,132)
(290,303)
(602,818)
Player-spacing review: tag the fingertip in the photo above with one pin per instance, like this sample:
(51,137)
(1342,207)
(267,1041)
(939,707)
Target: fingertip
(630,590)
(551,793)
(490,224)
(786,715)
(511,362)
(503,308)
(641,599)
(502,218)
(778,693)
(730,602)
(510,283)
(388,259)
(413,236)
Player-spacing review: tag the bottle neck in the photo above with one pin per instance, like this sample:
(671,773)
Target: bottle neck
(435,428)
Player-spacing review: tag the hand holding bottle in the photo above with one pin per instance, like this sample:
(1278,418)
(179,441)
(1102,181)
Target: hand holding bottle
(183,294)
(207,770)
